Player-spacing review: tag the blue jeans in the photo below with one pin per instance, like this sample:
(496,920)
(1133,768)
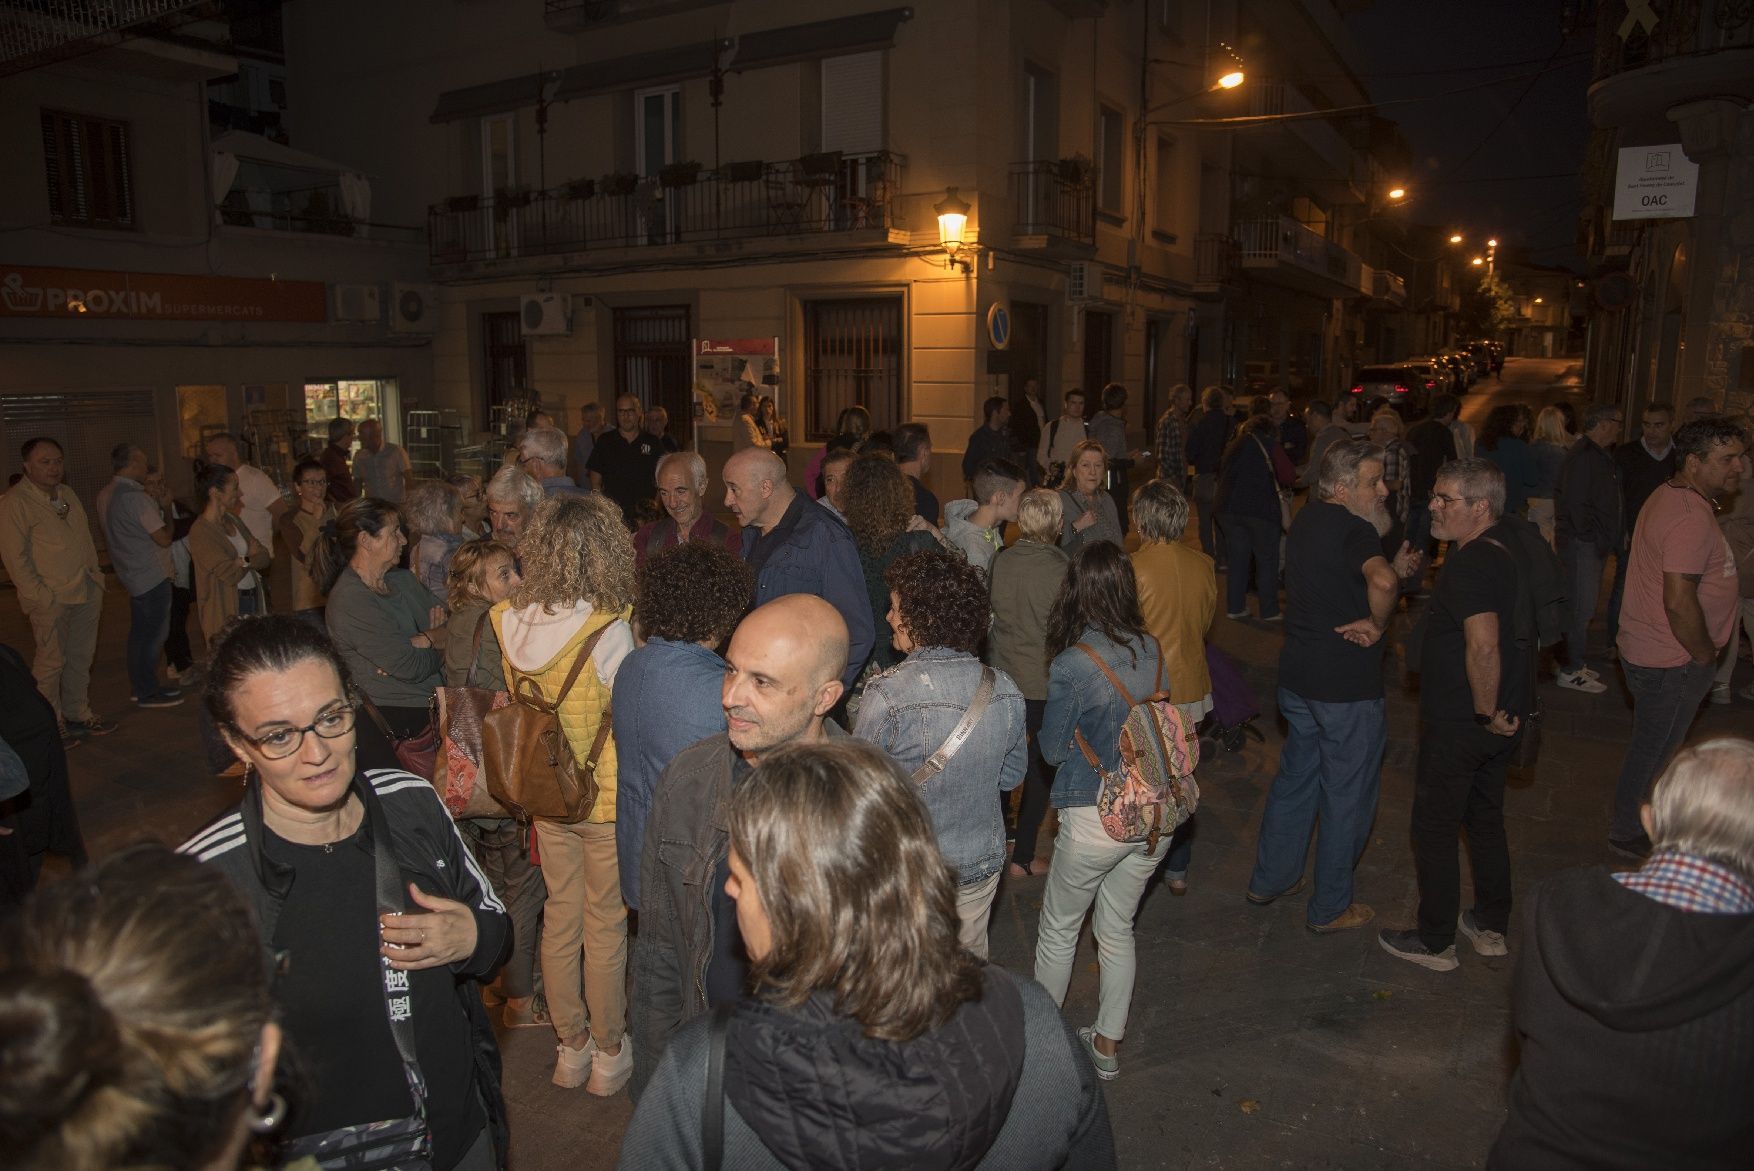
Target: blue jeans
(1583,578)
(1245,537)
(149,624)
(1664,702)
(1331,767)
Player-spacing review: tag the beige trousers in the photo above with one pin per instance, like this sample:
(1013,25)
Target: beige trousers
(66,638)
(584,930)
(974,907)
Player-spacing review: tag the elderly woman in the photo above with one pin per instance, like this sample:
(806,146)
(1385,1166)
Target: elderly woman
(938,612)
(1026,578)
(140,1029)
(435,512)
(572,607)
(226,559)
(474,503)
(1632,996)
(360,880)
(387,626)
(682,482)
(1096,625)
(1087,509)
(512,496)
(848,913)
(1178,596)
(1250,518)
(880,513)
(299,528)
(667,691)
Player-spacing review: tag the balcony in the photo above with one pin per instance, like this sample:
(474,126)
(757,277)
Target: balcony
(827,193)
(1696,50)
(1284,252)
(1215,262)
(34,33)
(574,15)
(1310,151)
(1388,288)
(1054,200)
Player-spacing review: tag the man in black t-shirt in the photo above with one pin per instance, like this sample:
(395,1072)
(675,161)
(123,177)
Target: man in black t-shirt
(1475,689)
(624,462)
(1340,593)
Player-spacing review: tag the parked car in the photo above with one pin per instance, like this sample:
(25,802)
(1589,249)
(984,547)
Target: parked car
(1461,371)
(1405,386)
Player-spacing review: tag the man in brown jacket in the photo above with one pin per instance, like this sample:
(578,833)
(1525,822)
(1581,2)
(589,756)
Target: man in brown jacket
(45,541)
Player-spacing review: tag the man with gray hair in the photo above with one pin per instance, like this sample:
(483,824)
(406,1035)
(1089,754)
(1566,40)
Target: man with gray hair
(542,455)
(1341,591)
(1632,1010)
(139,542)
(512,496)
(1476,686)
(682,492)
(1589,527)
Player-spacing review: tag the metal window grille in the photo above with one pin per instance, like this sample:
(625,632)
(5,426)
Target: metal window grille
(852,356)
(506,361)
(652,362)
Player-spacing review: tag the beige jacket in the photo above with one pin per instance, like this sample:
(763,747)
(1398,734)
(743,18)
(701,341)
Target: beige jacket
(218,569)
(50,558)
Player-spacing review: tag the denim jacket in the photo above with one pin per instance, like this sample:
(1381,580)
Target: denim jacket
(911,709)
(1081,699)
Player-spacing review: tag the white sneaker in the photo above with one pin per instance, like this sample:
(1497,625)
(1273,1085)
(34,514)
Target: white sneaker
(609,1072)
(1720,693)
(1582,681)
(1486,943)
(572,1066)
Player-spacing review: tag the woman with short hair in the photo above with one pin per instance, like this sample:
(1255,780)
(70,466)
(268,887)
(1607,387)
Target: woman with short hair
(1026,578)
(435,512)
(139,1025)
(299,528)
(572,609)
(1087,508)
(914,711)
(226,558)
(1096,624)
(872,1037)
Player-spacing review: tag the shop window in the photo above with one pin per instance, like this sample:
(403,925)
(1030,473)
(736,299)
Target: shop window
(357,399)
(852,356)
(91,181)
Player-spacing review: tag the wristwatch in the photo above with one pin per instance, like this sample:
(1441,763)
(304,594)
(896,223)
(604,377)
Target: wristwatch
(1484,720)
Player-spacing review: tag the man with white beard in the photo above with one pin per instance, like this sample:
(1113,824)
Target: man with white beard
(1341,591)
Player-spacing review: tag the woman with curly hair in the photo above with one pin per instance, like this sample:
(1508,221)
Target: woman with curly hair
(573,604)
(667,692)
(938,611)
(880,512)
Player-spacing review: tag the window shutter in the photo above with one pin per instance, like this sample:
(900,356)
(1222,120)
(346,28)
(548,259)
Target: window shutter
(852,103)
(86,165)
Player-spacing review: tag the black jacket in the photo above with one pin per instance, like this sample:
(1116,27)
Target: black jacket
(1003,1085)
(1637,1028)
(431,854)
(1640,475)
(1434,445)
(986,444)
(1208,439)
(1588,501)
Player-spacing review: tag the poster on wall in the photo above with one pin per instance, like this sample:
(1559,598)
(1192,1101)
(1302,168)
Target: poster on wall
(725,369)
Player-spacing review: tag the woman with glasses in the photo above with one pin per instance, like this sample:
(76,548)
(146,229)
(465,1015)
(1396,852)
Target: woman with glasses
(299,529)
(387,626)
(380,918)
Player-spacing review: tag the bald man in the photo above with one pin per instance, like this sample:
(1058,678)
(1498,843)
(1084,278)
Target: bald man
(797,547)
(786,662)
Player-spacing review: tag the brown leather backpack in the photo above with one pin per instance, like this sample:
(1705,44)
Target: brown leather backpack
(531,768)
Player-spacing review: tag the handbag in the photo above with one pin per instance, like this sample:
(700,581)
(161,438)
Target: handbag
(531,767)
(457,714)
(977,707)
(417,753)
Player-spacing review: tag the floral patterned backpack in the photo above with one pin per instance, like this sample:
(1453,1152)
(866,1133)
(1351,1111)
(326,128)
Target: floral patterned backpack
(1152,790)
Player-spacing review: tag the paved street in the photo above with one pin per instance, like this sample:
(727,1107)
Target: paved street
(1252,1043)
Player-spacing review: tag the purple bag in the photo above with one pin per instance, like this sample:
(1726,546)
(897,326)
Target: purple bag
(1233,700)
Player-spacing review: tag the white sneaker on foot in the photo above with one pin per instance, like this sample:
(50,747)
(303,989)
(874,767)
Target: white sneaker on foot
(1580,680)
(1486,943)
(572,1066)
(610,1071)
(1720,693)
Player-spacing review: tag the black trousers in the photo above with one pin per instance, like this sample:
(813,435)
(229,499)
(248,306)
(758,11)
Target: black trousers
(1037,781)
(1460,785)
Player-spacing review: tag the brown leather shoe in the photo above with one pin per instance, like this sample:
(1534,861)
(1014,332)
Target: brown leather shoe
(1357,915)
(1263,900)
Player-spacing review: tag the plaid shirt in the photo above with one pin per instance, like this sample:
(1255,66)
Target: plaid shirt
(1397,464)
(1172,447)
(1691,884)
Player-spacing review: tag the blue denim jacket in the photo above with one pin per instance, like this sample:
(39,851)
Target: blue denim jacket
(666,698)
(1081,699)
(911,709)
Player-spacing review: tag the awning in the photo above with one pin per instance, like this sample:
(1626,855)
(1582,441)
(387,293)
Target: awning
(230,150)
(755,50)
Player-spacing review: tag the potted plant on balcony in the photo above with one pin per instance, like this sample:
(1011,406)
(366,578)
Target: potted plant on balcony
(678,174)
(1075,171)
(618,183)
(744,172)
(822,165)
(580,189)
(509,198)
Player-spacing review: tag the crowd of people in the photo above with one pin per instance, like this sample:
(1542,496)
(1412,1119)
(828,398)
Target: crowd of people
(807,746)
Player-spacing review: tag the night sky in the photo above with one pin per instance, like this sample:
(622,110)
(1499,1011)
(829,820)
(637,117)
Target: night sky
(1467,175)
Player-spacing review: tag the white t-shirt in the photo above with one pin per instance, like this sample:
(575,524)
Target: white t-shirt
(242,544)
(259,495)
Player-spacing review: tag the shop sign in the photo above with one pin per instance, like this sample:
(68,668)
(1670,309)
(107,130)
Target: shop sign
(1655,183)
(91,294)
(727,368)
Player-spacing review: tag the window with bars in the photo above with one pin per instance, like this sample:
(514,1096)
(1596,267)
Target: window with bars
(90,176)
(852,356)
(652,362)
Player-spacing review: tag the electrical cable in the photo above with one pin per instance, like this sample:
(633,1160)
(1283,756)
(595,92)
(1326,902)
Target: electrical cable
(1511,109)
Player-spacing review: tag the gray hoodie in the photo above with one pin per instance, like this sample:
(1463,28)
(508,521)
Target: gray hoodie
(979,545)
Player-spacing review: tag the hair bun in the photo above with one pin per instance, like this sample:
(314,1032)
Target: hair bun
(58,1041)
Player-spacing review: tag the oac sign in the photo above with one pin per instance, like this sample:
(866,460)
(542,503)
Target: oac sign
(1655,183)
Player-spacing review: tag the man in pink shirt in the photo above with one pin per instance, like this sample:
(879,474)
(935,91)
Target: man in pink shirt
(1680,611)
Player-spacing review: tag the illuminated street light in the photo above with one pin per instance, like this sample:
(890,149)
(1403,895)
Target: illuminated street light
(952,212)
(1231,80)
(1477,261)
(1397,193)
(1538,301)
(1456,239)
(1492,243)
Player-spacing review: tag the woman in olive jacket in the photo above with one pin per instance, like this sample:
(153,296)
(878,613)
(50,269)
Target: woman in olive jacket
(227,561)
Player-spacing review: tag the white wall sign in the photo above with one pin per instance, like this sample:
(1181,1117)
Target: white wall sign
(1655,183)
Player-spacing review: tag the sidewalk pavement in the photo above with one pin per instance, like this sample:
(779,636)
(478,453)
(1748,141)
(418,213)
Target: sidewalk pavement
(1252,1043)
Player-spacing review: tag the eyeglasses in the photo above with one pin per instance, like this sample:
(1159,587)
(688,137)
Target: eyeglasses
(1446,501)
(330,724)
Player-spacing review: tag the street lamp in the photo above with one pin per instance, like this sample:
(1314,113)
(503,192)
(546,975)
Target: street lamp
(1231,80)
(952,213)
(1477,261)
(1493,243)
(1397,193)
(1456,239)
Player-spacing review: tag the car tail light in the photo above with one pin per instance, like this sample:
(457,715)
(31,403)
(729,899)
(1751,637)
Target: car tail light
(1399,389)
(1357,390)
(1431,386)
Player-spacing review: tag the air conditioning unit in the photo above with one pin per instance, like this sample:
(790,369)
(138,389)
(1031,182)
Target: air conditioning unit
(1083,281)
(413,309)
(359,303)
(546,313)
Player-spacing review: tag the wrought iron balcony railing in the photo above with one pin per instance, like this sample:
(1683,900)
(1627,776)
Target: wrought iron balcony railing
(1054,197)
